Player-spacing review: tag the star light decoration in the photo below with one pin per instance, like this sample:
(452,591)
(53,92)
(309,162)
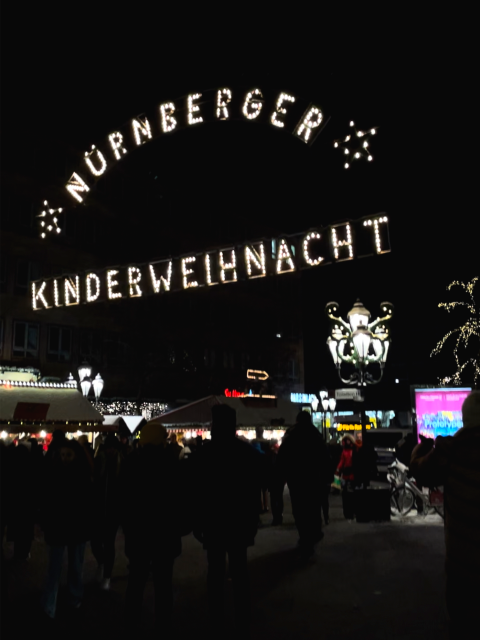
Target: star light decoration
(49,220)
(356,145)
(470,329)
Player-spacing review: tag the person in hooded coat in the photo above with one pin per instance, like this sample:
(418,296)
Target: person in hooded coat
(304,464)
(454,463)
(228,480)
(151,492)
(346,471)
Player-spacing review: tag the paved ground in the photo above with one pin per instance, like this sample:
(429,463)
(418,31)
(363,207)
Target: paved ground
(379,581)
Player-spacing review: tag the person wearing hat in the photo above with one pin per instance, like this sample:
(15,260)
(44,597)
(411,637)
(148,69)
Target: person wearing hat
(228,479)
(150,489)
(454,463)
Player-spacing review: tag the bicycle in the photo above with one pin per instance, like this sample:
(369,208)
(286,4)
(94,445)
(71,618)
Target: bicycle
(405,494)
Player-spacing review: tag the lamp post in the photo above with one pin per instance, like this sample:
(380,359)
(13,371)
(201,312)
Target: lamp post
(359,343)
(325,409)
(332,403)
(314,404)
(86,382)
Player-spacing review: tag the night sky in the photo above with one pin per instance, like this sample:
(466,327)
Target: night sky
(70,79)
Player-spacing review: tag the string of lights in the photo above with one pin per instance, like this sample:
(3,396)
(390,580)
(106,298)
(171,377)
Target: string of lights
(469,330)
(148,410)
(343,241)
(51,224)
(356,145)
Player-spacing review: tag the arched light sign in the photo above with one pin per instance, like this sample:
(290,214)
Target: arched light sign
(256,259)
(281,110)
(284,111)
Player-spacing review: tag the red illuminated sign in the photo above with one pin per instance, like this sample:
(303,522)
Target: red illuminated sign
(233,394)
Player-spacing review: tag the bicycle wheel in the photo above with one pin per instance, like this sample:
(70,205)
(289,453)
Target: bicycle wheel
(401,501)
(394,506)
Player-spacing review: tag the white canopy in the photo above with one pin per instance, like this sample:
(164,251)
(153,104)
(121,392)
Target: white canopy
(32,405)
(131,422)
(251,412)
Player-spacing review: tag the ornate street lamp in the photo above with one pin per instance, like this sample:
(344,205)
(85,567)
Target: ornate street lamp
(86,385)
(359,343)
(98,384)
(84,371)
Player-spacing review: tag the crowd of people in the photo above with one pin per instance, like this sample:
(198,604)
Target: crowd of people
(157,490)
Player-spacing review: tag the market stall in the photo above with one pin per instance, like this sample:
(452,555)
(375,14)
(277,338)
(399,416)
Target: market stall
(38,408)
(274,415)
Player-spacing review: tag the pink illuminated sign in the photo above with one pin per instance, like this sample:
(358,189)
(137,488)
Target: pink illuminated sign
(439,411)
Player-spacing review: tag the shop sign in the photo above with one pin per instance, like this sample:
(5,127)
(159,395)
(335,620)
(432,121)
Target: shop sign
(348,394)
(302,398)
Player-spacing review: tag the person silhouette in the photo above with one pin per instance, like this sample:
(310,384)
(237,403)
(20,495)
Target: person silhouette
(66,518)
(228,477)
(151,491)
(454,463)
(304,464)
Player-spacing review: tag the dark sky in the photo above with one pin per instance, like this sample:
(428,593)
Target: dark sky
(76,76)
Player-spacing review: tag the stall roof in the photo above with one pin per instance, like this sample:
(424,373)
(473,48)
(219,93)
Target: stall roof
(131,422)
(38,405)
(251,412)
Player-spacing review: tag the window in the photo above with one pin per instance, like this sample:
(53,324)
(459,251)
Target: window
(292,369)
(26,273)
(59,344)
(25,339)
(3,268)
(90,347)
(3,272)
(115,351)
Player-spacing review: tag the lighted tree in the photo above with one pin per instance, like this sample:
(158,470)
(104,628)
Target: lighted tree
(467,345)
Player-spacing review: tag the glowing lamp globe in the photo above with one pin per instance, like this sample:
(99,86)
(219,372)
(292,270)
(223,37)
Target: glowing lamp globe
(84,371)
(361,340)
(98,385)
(85,385)
(358,316)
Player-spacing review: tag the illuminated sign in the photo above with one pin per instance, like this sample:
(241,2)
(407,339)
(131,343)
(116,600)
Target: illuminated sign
(254,374)
(302,398)
(256,259)
(352,427)
(238,394)
(284,111)
(439,411)
(234,394)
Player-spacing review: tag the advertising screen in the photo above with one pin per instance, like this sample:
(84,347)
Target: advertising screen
(439,411)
